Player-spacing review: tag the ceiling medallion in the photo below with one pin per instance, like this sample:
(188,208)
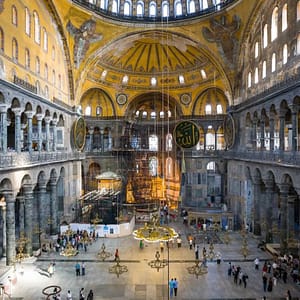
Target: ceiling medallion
(121,99)
(185,99)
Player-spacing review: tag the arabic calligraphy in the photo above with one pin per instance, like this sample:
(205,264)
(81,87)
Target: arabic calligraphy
(186,134)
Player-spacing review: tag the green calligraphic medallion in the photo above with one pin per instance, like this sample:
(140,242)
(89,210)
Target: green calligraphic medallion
(186,134)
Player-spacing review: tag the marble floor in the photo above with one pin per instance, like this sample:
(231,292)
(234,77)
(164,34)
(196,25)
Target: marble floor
(141,281)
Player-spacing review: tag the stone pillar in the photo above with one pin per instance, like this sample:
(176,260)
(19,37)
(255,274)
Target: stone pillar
(10,228)
(43,207)
(27,188)
(291,216)
(54,123)
(294,129)
(254,135)
(21,213)
(262,135)
(272,129)
(284,189)
(3,128)
(257,202)
(47,121)
(3,211)
(17,112)
(39,118)
(102,139)
(205,131)
(281,130)
(53,206)
(29,115)
(216,140)
(91,140)
(268,208)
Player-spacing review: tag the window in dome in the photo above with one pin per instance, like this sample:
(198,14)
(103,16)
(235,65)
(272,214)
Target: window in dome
(203,74)
(191,7)
(203,4)
(274,24)
(256,49)
(285,54)
(169,114)
(273,62)
(153,142)
(37,65)
(249,79)
(298,10)
(153,81)
(152,9)
(98,111)
(104,73)
(88,110)
(27,21)
(219,109)
(125,79)
(140,9)
(256,75)
(27,58)
(178,8)
(265,35)
(14,16)
(37,29)
(284,17)
(181,79)
(169,142)
(165,9)
(208,109)
(153,165)
(144,114)
(169,164)
(46,72)
(137,113)
(264,69)
(153,115)
(161,114)
(127,8)
(114,8)
(45,39)
(15,49)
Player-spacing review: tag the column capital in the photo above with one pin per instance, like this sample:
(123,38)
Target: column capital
(284,188)
(256,180)
(3,108)
(27,188)
(17,111)
(39,117)
(47,119)
(9,196)
(54,122)
(269,183)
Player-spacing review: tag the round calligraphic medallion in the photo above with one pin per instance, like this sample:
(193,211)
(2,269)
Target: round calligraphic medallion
(229,131)
(186,134)
(185,99)
(79,133)
(121,99)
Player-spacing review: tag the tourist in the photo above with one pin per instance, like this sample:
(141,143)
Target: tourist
(117,254)
(175,285)
(69,295)
(77,269)
(82,268)
(90,296)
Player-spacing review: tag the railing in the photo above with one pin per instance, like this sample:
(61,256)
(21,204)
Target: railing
(13,159)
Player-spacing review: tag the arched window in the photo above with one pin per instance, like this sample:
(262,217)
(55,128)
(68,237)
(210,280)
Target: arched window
(46,91)
(125,79)
(181,79)
(210,138)
(88,110)
(191,7)
(127,8)
(219,109)
(152,9)
(15,49)
(14,16)
(165,9)
(1,40)
(169,142)
(45,39)
(153,142)
(298,10)
(140,9)
(38,87)
(256,75)
(284,17)
(249,79)
(27,58)
(153,115)
(203,4)
(153,81)
(98,111)
(114,7)
(162,114)
(37,65)
(144,114)
(46,72)
(53,77)
(169,167)
(256,49)
(103,4)
(211,166)
(178,8)
(153,164)
(59,81)
(284,54)
(265,35)
(203,74)
(53,54)
(274,24)
(37,28)
(273,69)
(264,69)
(27,21)
(208,109)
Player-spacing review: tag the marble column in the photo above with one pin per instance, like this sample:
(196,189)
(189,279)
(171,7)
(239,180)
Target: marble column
(284,190)
(262,135)
(102,139)
(53,206)
(17,112)
(291,216)
(281,131)
(254,135)
(3,128)
(3,213)
(29,115)
(257,202)
(272,129)
(216,140)
(39,118)
(21,213)
(91,140)
(10,228)
(27,188)
(43,207)
(54,123)
(268,213)
(47,122)
(294,128)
